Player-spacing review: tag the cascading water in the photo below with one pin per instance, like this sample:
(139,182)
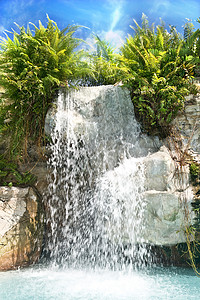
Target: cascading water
(97,214)
(95,194)
(121,205)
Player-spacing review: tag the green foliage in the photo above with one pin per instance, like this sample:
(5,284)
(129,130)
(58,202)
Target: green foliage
(10,175)
(157,75)
(194,170)
(104,65)
(155,64)
(188,29)
(32,67)
(191,45)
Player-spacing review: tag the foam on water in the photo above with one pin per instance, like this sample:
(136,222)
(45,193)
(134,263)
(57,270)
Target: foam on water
(71,284)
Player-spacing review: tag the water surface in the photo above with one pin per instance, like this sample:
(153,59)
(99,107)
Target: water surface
(51,283)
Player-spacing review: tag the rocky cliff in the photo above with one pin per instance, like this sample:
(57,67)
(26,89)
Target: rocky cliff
(167,189)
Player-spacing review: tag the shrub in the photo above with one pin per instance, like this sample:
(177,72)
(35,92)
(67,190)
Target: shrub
(104,65)
(32,67)
(10,175)
(157,75)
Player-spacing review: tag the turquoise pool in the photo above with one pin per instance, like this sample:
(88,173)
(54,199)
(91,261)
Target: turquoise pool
(40,283)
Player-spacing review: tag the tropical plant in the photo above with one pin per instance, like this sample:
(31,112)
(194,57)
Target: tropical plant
(191,45)
(103,63)
(33,65)
(156,75)
(188,29)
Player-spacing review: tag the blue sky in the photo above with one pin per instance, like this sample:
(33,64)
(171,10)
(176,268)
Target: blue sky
(110,19)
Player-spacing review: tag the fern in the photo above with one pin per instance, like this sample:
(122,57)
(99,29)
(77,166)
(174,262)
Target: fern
(32,66)
(157,75)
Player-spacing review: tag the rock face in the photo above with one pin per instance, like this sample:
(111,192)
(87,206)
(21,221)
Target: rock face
(104,118)
(40,171)
(169,194)
(101,116)
(21,227)
(153,190)
(168,197)
(188,122)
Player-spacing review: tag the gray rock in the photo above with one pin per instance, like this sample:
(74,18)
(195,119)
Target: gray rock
(160,169)
(188,123)
(104,117)
(154,195)
(164,174)
(40,171)
(12,207)
(166,216)
(168,199)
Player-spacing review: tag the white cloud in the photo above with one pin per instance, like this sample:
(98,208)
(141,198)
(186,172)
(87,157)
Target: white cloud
(115,18)
(116,8)
(2,28)
(16,6)
(114,11)
(161,7)
(115,38)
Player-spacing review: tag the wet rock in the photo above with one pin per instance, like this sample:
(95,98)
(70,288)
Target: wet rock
(159,169)
(166,216)
(168,198)
(40,171)
(101,116)
(104,118)
(21,227)
(163,173)
(154,195)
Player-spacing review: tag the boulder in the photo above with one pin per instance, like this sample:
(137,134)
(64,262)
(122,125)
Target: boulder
(162,173)
(159,170)
(21,227)
(166,215)
(167,197)
(149,199)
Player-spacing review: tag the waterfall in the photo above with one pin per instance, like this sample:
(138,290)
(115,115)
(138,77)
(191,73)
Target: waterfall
(96,181)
